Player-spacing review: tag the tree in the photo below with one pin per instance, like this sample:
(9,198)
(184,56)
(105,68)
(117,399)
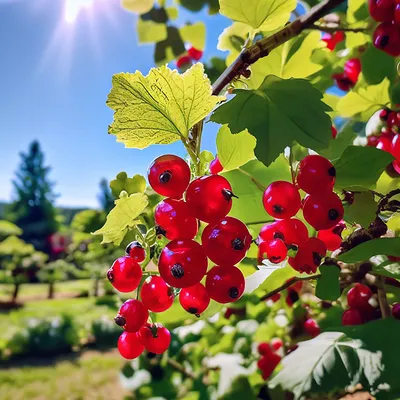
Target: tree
(105,197)
(32,209)
(53,272)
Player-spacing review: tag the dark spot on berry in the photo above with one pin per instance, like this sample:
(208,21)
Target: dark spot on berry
(160,231)
(165,177)
(292,247)
(279,235)
(316,258)
(228,194)
(333,214)
(277,208)
(332,171)
(192,310)
(293,296)
(275,259)
(151,355)
(131,246)
(384,42)
(120,320)
(177,271)
(237,244)
(110,275)
(233,292)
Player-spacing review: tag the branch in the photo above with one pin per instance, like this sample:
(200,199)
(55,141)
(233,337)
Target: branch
(382,299)
(383,203)
(180,368)
(333,29)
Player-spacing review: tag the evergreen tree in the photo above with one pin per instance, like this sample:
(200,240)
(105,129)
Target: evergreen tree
(32,209)
(105,196)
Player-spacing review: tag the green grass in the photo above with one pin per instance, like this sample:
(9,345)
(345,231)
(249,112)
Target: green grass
(91,375)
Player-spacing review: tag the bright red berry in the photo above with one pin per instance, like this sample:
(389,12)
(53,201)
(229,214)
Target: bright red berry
(125,274)
(281,200)
(194,299)
(225,284)
(311,327)
(316,174)
(384,144)
(184,62)
(130,345)
(397,12)
(381,10)
(276,344)
(396,165)
(292,231)
(395,147)
(136,251)
(396,311)
(323,212)
(358,297)
(352,69)
(216,166)
(209,198)
(156,295)
(275,250)
(195,54)
(227,241)
(174,220)
(132,315)
(264,349)
(267,364)
(372,141)
(332,237)
(334,132)
(156,338)
(309,256)
(387,38)
(182,263)
(169,175)
(352,317)
(332,40)
(343,82)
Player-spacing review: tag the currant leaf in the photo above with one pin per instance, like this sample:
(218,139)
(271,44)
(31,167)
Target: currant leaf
(122,217)
(150,31)
(362,210)
(277,113)
(328,284)
(136,184)
(159,108)
(195,34)
(137,6)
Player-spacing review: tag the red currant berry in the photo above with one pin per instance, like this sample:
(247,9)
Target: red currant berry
(275,250)
(395,147)
(334,132)
(194,299)
(156,295)
(264,349)
(195,54)
(293,295)
(372,141)
(384,144)
(309,256)
(227,241)
(209,198)
(316,174)
(332,237)
(182,263)
(292,231)
(132,315)
(311,327)
(174,220)
(216,166)
(125,274)
(387,38)
(396,311)
(184,62)
(381,10)
(397,12)
(343,82)
(358,297)
(169,175)
(156,338)
(332,40)
(352,317)
(130,345)
(267,364)
(276,344)
(225,284)
(323,212)
(136,251)
(396,165)
(352,69)
(281,200)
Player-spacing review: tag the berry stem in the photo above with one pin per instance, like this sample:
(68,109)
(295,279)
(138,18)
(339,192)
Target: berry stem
(333,29)
(382,299)
(180,368)
(254,180)
(291,162)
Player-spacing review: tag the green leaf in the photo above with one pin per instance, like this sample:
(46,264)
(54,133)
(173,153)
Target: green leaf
(136,184)
(277,113)
(363,209)
(137,6)
(234,150)
(337,146)
(360,167)
(387,183)
(357,17)
(122,217)
(159,108)
(265,15)
(150,31)
(248,207)
(366,250)
(172,12)
(194,34)
(14,246)
(393,223)
(377,65)
(328,284)
(256,279)
(370,98)
(388,268)
(365,354)
(278,278)
(169,49)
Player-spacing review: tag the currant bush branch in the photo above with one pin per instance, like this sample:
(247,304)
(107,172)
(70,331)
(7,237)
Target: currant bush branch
(384,203)
(382,299)
(333,29)
(180,368)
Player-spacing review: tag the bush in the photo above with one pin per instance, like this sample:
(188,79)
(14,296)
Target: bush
(109,301)
(105,332)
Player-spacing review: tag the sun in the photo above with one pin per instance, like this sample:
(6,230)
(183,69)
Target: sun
(74,7)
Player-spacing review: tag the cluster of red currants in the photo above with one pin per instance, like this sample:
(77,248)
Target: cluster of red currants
(349,77)
(360,308)
(387,33)
(187,59)
(183,262)
(269,357)
(388,138)
(322,209)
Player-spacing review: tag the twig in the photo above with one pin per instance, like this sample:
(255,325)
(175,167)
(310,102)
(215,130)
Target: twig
(289,283)
(180,368)
(382,299)
(383,203)
(291,161)
(333,29)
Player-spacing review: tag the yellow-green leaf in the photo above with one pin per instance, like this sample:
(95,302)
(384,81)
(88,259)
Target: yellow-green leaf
(150,31)
(122,217)
(137,6)
(194,34)
(161,107)
(265,15)
(370,99)
(136,184)
(393,223)
(234,150)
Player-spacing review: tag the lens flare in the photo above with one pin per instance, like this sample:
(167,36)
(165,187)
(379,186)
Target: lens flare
(74,7)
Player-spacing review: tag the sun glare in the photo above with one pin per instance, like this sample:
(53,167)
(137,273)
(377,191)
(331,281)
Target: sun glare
(74,7)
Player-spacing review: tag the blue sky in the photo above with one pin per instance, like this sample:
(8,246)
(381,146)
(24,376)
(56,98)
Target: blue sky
(54,81)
